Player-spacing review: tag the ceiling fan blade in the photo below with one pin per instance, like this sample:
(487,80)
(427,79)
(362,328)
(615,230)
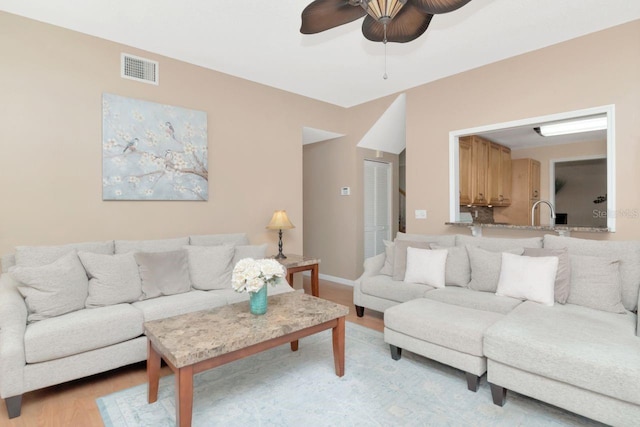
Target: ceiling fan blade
(409,24)
(440,6)
(322,15)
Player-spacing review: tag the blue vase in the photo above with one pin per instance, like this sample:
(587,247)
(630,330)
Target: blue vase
(258,301)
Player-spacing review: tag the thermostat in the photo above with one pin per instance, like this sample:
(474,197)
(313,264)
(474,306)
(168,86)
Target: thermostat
(345,191)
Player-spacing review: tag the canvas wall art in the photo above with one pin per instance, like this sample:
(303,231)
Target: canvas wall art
(153,151)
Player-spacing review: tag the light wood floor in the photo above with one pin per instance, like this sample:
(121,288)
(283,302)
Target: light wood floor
(74,403)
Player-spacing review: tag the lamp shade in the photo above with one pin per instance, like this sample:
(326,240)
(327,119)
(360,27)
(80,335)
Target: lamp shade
(280,221)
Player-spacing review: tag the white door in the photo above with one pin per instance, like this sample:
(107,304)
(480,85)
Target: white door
(377,206)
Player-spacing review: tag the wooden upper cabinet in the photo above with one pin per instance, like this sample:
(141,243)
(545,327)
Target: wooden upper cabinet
(465,171)
(485,172)
(499,175)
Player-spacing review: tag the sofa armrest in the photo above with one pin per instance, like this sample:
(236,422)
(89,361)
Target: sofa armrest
(13,324)
(372,266)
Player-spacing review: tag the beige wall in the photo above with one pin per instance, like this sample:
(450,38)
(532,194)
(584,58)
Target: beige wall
(594,70)
(51,84)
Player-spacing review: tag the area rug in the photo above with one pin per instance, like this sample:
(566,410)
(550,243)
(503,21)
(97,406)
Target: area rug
(284,388)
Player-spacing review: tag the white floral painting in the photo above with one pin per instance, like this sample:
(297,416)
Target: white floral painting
(152,151)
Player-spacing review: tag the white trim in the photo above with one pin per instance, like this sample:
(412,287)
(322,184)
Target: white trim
(609,110)
(333,279)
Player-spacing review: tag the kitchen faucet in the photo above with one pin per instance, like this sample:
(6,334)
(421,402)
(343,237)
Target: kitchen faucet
(533,208)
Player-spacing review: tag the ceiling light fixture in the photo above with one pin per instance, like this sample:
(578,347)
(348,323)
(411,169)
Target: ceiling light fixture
(397,21)
(573,126)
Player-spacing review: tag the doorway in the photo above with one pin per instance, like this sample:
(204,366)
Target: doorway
(377,206)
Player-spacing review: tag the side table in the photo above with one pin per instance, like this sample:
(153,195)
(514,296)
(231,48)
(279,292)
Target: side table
(298,263)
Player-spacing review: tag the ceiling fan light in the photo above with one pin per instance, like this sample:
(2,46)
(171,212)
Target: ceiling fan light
(383,11)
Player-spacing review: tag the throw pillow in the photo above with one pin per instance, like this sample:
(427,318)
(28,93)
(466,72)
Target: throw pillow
(485,268)
(563,276)
(249,251)
(400,256)
(457,270)
(528,278)
(53,289)
(596,283)
(113,279)
(210,266)
(389,249)
(426,266)
(163,273)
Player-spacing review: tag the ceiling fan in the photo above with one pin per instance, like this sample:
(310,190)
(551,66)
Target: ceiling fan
(398,21)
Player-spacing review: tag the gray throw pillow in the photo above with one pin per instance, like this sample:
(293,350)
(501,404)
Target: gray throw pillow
(485,268)
(400,256)
(113,279)
(457,270)
(163,273)
(249,251)
(210,266)
(53,289)
(389,253)
(562,285)
(596,283)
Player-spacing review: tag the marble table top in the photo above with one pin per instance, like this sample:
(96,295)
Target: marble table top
(293,261)
(193,337)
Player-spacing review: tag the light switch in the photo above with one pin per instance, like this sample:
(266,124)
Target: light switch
(345,191)
(421,214)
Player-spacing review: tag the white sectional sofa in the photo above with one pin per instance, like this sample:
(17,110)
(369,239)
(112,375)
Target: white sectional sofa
(75,310)
(558,324)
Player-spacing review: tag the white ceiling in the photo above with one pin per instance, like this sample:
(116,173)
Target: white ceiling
(259,40)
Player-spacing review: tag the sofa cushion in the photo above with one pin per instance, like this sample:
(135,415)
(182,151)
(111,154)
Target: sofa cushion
(36,256)
(210,266)
(562,284)
(595,283)
(528,278)
(440,239)
(385,287)
(53,289)
(455,327)
(81,331)
(426,266)
(473,299)
(628,252)
(163,273)
(161,245)
(113,279)
(590,349)
(234,239)
(457,269)
(173,305)
(496,244)
(249,251)
(400,256)
(485,268)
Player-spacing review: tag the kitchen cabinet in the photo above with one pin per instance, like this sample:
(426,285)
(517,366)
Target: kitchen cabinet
(485,172)
(525,191)
(499,175)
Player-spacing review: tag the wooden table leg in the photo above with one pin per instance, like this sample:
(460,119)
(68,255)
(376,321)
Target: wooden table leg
(338,346)
(294,345)
(153,372)
(315,288)
(184,396)
(290,279)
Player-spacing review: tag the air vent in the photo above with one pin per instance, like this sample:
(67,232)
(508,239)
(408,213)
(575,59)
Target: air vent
(140,69)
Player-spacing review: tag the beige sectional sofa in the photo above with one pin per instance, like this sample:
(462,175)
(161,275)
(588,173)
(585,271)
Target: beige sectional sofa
(75,310)
(579,351)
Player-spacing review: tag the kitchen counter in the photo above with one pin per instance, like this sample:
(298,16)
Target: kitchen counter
(563,230)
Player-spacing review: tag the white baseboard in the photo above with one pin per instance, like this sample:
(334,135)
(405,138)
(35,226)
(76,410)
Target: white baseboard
(333,279)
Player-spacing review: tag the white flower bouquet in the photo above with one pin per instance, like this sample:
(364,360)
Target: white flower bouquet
(250,275)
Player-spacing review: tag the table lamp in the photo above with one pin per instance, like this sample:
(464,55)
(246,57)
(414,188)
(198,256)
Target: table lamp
(280,222)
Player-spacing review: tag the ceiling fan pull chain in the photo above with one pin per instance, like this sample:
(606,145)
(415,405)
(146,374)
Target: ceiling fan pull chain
(384,76)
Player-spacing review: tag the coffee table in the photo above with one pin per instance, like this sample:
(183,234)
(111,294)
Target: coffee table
(198,341)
